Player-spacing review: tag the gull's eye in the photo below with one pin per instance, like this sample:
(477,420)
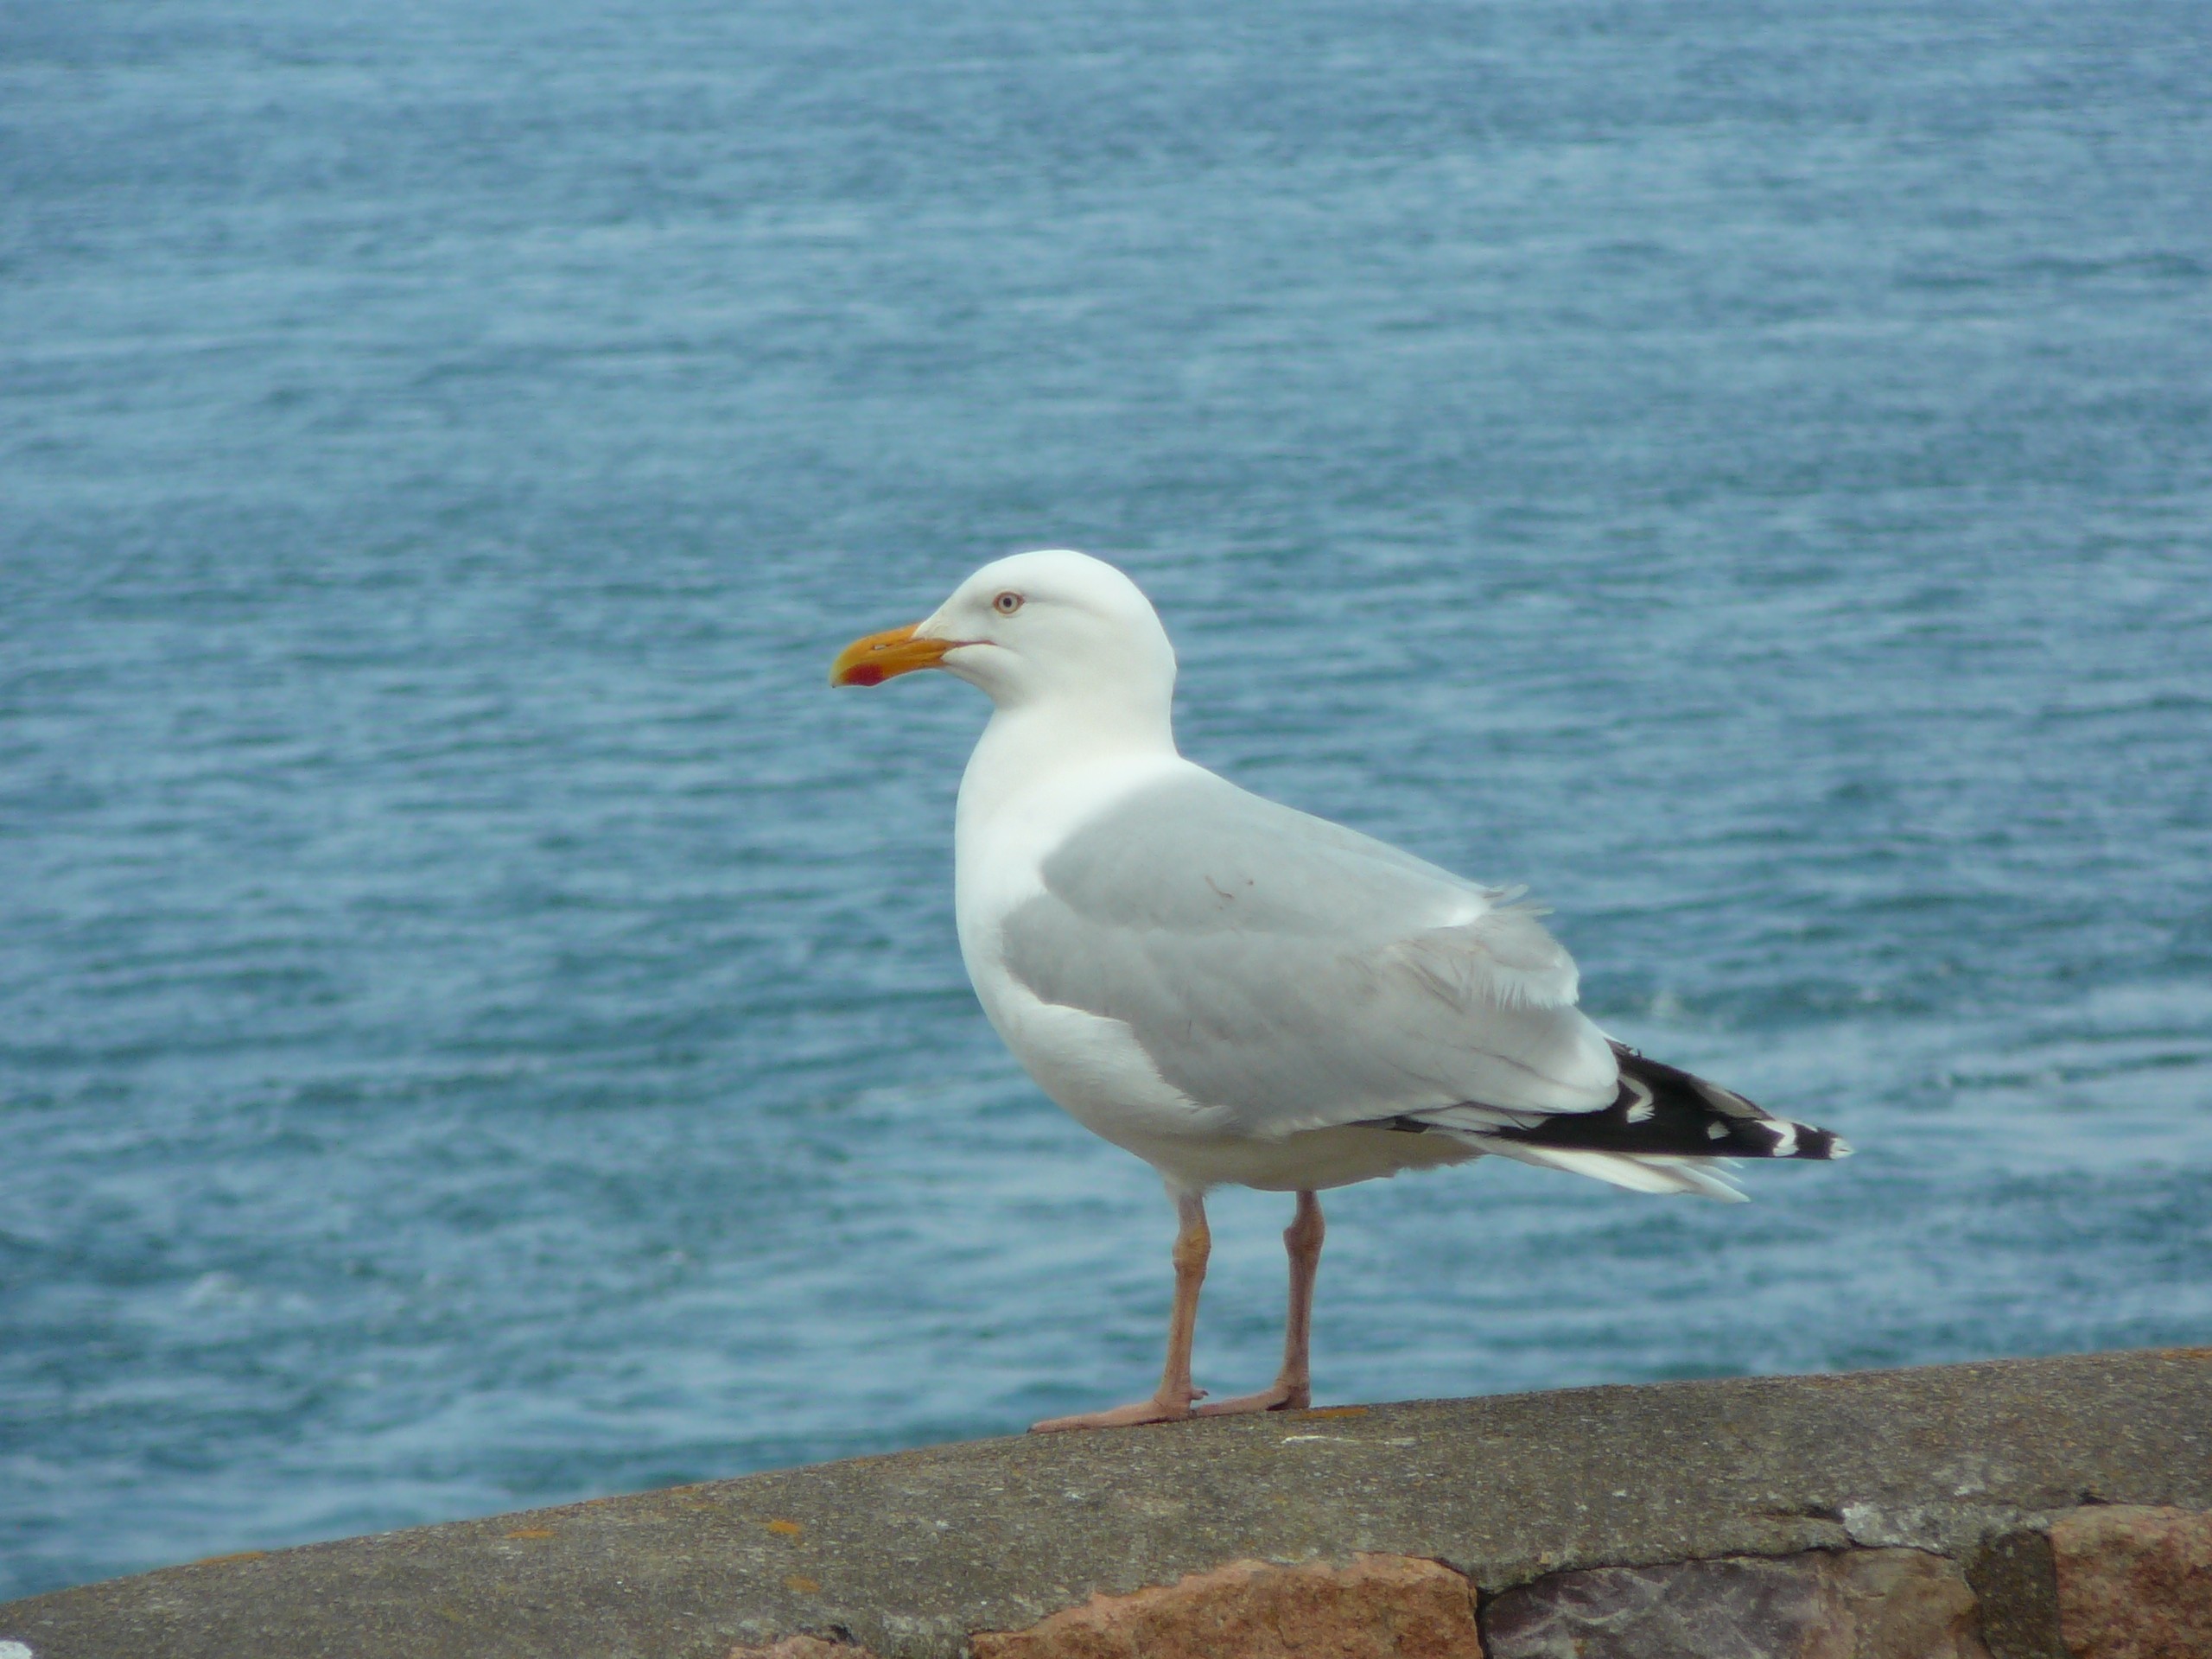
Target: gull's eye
(1006,603)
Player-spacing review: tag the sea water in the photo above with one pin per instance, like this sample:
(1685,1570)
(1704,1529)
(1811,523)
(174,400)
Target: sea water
(479,1020)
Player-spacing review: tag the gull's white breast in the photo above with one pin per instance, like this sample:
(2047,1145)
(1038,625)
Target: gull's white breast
(1020,801)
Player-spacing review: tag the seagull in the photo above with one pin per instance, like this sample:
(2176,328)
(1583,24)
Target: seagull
(1239,992)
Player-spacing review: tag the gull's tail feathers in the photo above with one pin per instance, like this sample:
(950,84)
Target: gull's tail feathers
(1700,1177)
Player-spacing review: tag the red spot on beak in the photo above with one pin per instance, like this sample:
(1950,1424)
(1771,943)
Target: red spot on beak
(876,658)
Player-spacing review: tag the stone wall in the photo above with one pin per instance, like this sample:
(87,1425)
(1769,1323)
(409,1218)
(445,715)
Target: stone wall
(2127,1582)
(2021,1509)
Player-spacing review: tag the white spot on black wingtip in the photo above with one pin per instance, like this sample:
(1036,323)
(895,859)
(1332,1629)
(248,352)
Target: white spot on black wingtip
(1785,1140)
(1716,1131)
(1641,1110)
(1839,1148)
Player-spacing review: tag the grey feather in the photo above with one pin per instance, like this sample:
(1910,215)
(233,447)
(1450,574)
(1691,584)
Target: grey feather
(1295,974)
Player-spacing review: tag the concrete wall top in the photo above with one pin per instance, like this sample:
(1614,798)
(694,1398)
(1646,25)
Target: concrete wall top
(909,1553)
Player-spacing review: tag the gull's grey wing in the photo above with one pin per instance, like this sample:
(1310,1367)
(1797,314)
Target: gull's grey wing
(1298,975)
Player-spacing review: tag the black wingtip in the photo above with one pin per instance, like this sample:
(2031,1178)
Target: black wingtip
(1662,1110)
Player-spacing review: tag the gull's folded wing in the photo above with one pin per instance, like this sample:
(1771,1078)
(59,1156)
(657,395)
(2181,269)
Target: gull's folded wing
(1296,975)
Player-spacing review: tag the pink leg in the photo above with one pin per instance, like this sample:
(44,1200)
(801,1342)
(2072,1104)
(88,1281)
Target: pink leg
(1170,1402)
(1293,1389)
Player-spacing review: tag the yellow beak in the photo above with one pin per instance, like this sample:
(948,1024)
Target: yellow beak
(895,651)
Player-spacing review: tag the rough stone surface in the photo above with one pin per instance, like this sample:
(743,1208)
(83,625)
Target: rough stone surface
(1700,1610)
(2011,1576)
(910,1553)
(1377,1607)
(800,1647)
(1880,1604)
(2134,1582)
(1902,1603)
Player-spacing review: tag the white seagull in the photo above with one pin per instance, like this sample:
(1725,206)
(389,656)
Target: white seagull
(1237,992)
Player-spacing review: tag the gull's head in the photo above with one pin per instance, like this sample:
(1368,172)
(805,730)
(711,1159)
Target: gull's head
(1057,626)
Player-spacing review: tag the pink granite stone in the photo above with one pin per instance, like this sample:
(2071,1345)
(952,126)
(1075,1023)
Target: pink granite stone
(1377,1607)
(2134,1582)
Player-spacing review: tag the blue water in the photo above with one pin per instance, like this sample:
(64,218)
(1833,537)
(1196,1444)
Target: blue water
(480,1022)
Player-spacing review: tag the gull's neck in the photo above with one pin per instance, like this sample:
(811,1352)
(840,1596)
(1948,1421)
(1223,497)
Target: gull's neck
(1041,767)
